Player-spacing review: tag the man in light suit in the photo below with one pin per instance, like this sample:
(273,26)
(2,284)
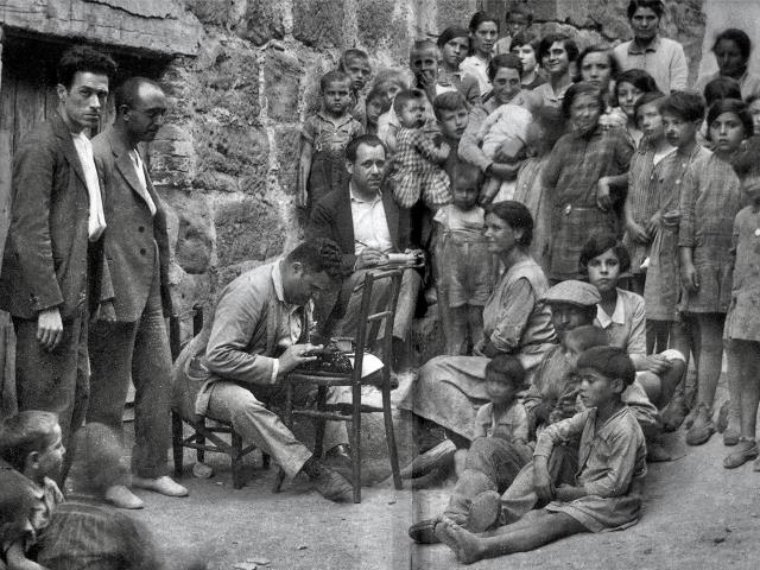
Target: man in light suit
(133,340)
(54,273)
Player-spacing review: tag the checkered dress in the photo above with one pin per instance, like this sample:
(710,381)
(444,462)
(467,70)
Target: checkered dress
(416,171)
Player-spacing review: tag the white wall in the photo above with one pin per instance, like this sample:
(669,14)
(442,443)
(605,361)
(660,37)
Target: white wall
(722,14)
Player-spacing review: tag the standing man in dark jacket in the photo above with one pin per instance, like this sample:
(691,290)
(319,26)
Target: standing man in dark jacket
(134,343)
(53,272)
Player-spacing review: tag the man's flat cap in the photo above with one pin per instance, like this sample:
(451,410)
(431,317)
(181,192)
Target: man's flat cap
(573,292)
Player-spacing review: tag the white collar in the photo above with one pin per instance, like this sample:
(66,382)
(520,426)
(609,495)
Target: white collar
(618,315)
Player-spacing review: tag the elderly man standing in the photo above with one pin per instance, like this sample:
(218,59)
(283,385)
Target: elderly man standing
(367,225)
(131,341)
(54,273)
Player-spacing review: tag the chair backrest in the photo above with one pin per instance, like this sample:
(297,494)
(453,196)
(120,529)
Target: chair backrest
(378,312)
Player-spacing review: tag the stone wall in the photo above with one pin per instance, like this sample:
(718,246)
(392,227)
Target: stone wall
(227,162)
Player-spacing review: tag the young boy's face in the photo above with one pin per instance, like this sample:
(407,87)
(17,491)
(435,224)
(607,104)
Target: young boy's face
(51,458)
(751,187)
(650,121)
(500,390)
(679,132)
(359,71)
(453,123)
(337,97)
(374,109)
(413,114)
(465,193)
(424,64)
(597,389)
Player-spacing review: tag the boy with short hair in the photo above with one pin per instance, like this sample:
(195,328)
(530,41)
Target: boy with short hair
(604,495)
(453,115)
(325,135)
(355,63)
(31,455)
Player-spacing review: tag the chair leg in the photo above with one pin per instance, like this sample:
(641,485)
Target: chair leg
(319,432)
(237,460)
(177,449)
(200,439)
(356,443)
(390,436)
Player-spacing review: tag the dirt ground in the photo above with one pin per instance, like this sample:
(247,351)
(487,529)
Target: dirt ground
(697,515)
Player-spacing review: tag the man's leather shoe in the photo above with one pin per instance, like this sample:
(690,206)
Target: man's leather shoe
(164,485)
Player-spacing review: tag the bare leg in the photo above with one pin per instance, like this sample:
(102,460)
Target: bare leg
(475,317)
(669,381)
(744,363)
(710,355)
(544,528)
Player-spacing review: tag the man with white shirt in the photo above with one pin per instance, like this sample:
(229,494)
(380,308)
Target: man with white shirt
(367,224)
(54,272)
(130,340)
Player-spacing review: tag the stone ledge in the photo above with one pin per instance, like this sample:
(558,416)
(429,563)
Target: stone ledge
(163,27)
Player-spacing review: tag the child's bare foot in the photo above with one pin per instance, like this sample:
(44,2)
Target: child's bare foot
(465,545)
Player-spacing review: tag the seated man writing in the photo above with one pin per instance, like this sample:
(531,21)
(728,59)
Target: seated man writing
(367,225)
(257,337)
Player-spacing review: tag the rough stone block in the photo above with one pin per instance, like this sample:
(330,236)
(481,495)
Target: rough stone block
(230,87)
(282,74)
(319,23)
(455,13)
(374,19)
(263,21)
(288,142)
(214,12)
(226,154)
(247,228)
(191,229)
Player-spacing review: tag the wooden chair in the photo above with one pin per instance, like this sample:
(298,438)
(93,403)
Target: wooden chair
(206,431)
(371,319)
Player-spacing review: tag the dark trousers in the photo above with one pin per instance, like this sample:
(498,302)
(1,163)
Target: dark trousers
(54,381)
(139,349)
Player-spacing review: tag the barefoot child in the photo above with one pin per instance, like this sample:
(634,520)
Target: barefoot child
(498,451)
(31,456)
(464,274)
(417,172)
(325,135)
(605,494)
(682,116)
(710,199)
(742,331)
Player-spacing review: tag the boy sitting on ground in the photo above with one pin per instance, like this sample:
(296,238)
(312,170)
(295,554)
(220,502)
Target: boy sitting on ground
(31,456)
(604,495)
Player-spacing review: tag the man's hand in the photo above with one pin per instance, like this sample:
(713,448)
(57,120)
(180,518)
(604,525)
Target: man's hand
(542,482)
(637,232)
(105,313)
(295,355)
(370,258)
(657,364)
(49,328)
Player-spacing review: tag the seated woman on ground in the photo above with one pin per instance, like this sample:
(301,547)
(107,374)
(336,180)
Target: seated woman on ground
(606,493)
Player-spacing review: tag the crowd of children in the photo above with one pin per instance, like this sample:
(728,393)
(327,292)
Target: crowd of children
(647,192)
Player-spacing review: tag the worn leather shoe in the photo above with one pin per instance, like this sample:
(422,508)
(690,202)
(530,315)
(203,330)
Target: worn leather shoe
(702,428)
(121,497)
(164,485)
(423,532)
(333,486)
(745,451)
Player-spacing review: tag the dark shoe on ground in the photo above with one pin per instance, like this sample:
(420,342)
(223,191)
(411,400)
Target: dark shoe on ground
(702,428)
(333,486)
(746,450)
(689,419)
(423,532)
(121,497)
(164,485)
(656,453)
(674,414)
(484,511)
